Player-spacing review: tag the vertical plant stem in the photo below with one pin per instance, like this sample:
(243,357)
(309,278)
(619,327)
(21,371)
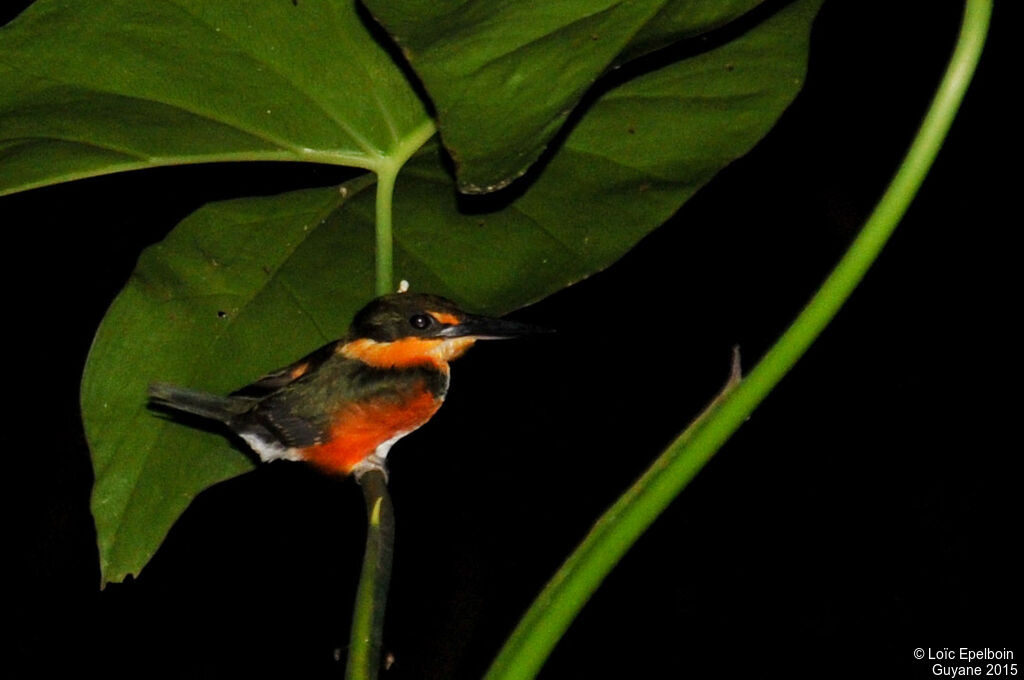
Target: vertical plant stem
(385,247)
(558,604)
(365,639)
(387,172)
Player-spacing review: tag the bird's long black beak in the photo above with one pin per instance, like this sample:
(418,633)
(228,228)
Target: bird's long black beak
(489,328)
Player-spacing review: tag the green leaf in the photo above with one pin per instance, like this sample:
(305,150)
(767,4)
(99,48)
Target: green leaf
(504,76)
(205,307)
(682,19)
(288,271)
(99,86)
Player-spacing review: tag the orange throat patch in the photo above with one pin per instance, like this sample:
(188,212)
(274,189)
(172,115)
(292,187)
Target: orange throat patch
(406,352)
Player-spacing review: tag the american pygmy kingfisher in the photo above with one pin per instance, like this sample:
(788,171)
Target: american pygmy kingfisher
(342,407)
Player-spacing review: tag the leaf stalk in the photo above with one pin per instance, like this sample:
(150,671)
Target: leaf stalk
(387,172)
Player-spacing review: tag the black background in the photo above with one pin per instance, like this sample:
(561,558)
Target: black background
(870,506)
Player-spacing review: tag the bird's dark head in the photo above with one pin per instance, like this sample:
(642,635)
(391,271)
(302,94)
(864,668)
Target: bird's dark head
(409,328)
(418,315)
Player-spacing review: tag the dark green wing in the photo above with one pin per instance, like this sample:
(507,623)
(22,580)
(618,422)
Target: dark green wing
(275,380)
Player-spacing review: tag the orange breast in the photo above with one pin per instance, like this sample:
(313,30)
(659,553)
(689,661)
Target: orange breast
(360,428)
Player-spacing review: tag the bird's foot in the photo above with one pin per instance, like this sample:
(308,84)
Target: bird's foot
(371,462)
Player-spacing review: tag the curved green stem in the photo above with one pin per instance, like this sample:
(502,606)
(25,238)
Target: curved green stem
(365,638)
(615,532)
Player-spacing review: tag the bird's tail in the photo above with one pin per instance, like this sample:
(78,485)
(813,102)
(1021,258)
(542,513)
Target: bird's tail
(202,404)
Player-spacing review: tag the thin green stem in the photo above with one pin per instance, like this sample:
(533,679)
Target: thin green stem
(387,172)
(558,604)
(385,242)
(365,639)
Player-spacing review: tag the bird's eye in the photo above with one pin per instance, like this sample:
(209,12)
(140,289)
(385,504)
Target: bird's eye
(420,321)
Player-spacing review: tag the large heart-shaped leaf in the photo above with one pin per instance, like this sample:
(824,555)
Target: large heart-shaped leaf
(244,286)
(94,87)
(504,76)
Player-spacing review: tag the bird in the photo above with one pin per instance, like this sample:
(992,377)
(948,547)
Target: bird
(342,407)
